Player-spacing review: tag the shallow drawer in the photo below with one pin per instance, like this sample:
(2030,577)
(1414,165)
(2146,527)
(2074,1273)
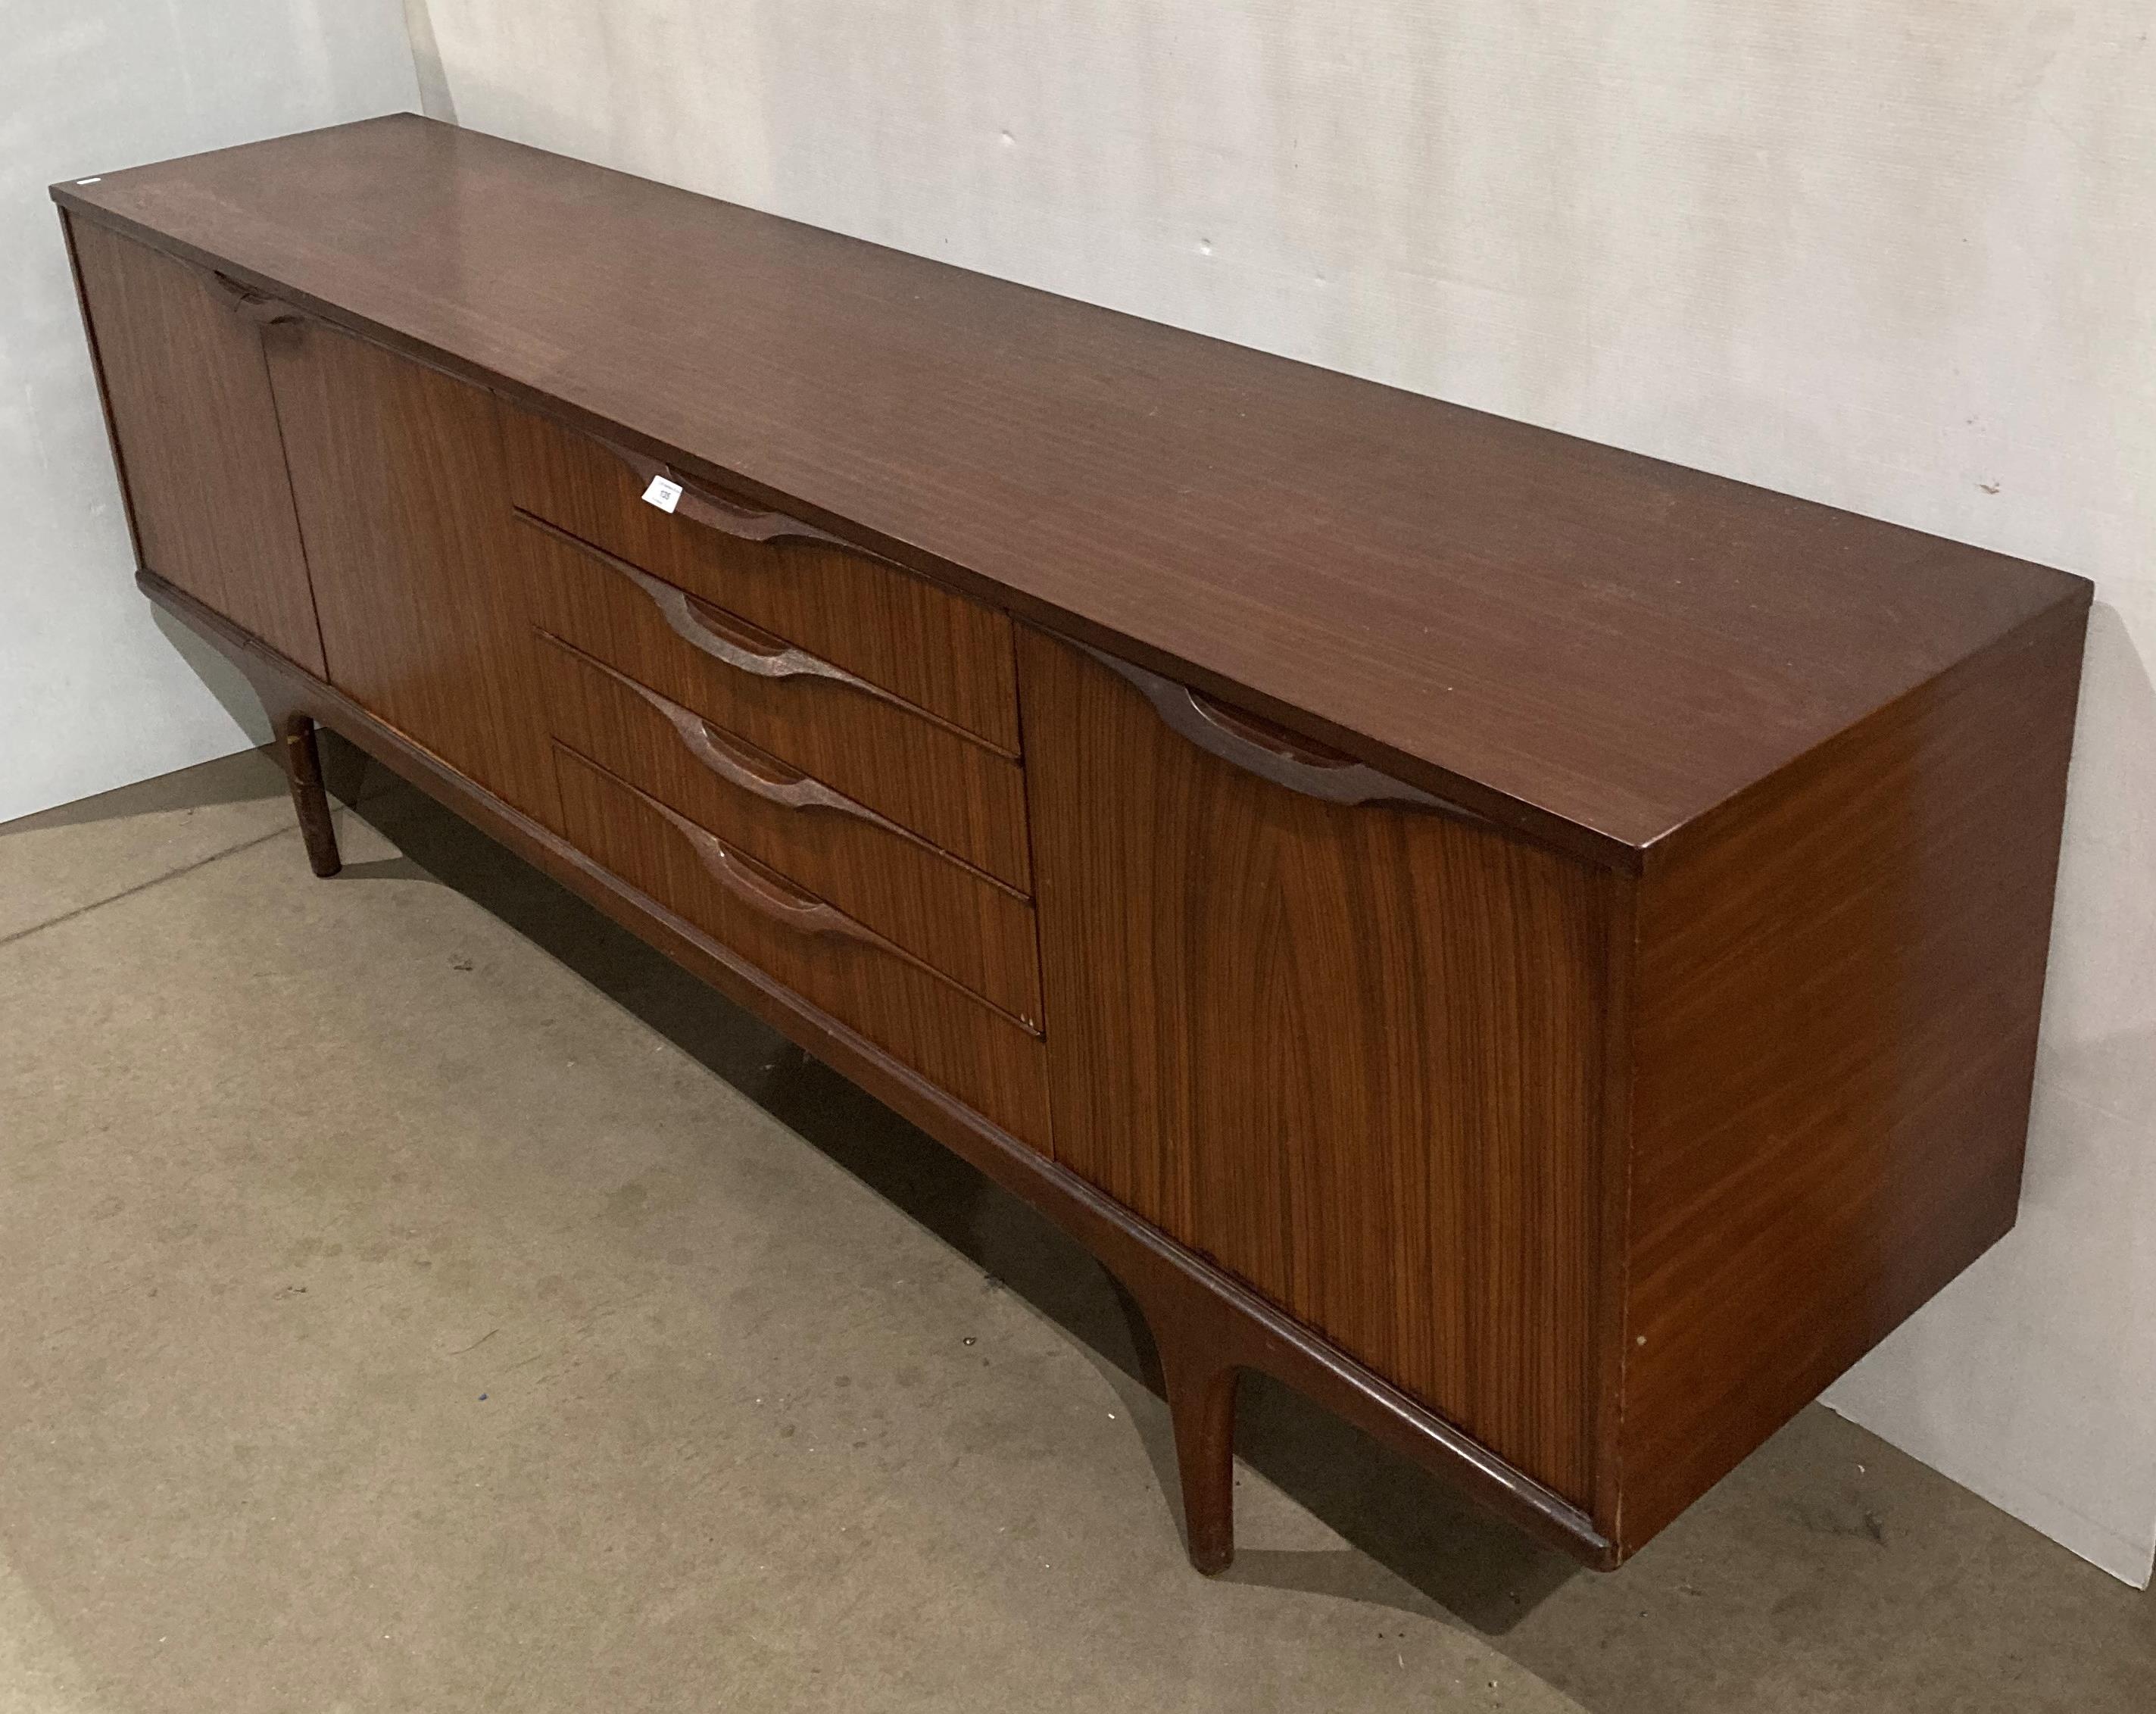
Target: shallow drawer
(932,780)
(959,1042)
(972,928)
(929,645)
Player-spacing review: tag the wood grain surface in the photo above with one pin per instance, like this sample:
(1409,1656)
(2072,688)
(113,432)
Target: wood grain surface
(960,1044)
(1566,635)
(1351,1055)
(954,791)
(1193,1306)
(1541,948)
(910,636)
(190,406)
(972,927)
(1837,1000)
(418,569)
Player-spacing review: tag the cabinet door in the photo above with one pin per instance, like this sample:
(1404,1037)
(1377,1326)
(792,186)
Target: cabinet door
(195,428)
(1349,1051)
(397,472)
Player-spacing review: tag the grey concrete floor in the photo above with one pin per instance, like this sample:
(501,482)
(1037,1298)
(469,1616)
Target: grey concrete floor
(418,1296)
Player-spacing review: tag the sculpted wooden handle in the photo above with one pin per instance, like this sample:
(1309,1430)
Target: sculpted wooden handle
(1286,759)
(732,642)
(250,304)
(774,899)
(744,523)
(735,642)
(758,774)
(740,649)
(765,893)
(790,790)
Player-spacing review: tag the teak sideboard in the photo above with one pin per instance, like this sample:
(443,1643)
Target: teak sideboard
(1538,949)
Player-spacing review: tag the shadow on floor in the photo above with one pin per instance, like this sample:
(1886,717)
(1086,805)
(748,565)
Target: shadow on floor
(1426,1548)
(247,776)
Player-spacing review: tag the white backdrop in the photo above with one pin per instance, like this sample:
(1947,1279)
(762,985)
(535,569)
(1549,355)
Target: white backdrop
(1900,257)
(91,694)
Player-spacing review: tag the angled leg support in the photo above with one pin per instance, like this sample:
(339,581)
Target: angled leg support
(303,772)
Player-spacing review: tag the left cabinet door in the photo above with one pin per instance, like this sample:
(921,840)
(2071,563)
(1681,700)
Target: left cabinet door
(195,428)
(403,502)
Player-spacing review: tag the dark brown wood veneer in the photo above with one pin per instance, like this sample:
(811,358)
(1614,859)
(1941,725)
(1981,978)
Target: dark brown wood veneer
(1538,948)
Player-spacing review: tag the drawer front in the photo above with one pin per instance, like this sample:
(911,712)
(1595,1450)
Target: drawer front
(974,929)
(956,793)
(949,654)
(959,1044)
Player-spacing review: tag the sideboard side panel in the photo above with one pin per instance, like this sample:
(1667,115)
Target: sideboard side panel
(1835,1033)
(1351,1054)
(195,428)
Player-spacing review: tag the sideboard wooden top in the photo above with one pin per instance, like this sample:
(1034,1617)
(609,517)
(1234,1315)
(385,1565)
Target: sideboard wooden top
(1490,609)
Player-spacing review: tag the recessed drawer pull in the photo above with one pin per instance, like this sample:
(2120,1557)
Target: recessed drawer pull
(733,642)
(762,776)
(922,641)
(248,304)
(758,889)
(768,897)
(693,624)
(1287,760)
(744,523)
(793,791)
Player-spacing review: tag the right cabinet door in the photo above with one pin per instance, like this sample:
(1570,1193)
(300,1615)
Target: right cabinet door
(1350,1052)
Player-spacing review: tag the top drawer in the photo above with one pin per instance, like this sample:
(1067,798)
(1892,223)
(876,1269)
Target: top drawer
(950,655)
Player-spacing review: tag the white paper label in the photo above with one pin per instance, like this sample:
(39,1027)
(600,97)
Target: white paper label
(662,493)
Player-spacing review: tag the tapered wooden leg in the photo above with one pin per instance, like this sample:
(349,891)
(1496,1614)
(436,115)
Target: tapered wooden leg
(303,772)
(1201,1403)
